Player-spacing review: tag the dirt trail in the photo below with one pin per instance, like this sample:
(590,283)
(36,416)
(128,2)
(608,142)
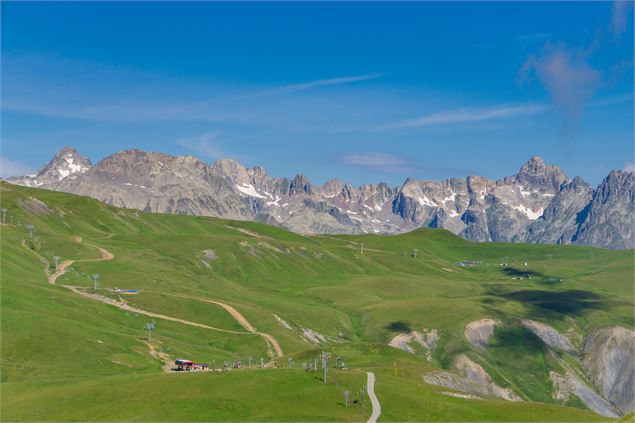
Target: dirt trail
(107,255)
(127,307)
(61,269)
(271,341)
(161,356)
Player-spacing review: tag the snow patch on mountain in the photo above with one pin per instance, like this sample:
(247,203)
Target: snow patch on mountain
(249,189)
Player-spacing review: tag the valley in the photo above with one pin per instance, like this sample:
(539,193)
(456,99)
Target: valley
(520,333)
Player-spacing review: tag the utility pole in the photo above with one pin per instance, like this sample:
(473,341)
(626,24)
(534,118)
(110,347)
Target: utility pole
(325,364)
(363,395)
(150,327)
(4,216)
(95,278)
(346,393)
(30,229)
(56,259)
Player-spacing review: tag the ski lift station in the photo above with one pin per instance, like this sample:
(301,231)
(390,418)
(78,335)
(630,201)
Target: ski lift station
(189,365)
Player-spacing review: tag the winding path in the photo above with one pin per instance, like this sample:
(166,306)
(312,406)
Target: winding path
(272,343)
(370,388)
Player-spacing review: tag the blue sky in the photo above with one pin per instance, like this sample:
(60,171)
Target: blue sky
(364,92)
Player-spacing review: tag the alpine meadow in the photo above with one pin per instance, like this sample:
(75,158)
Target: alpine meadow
(66,343)
(317,211)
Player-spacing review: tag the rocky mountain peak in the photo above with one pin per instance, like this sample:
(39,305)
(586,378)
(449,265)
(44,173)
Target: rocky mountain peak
(300,184)
(258,172)
(66,162)
(534,165)
(537,174)
(231,169)
(332,187)
(538,204)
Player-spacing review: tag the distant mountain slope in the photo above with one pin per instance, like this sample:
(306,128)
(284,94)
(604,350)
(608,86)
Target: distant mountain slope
(538,204)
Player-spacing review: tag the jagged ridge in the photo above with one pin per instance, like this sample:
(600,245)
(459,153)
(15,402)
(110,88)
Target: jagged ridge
(538,204)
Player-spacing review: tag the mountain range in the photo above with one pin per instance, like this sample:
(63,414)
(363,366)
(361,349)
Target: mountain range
(539,204)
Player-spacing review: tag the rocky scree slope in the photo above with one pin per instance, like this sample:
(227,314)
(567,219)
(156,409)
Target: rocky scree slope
(539,204)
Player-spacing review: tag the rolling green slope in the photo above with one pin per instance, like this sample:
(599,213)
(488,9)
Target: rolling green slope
(81,359)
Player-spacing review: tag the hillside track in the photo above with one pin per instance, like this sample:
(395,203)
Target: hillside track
(272,343)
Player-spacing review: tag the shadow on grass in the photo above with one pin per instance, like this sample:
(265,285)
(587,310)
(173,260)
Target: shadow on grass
(538,277)
(514,272)
(398,326)
(548,303)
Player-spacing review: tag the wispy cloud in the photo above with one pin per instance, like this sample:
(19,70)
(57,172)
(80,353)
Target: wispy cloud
(291,88)
(10,167)
(398,165)
(376,161)
(463,115)
(566,75)
(205,145)
(612,100)
(629,167)
(619,17)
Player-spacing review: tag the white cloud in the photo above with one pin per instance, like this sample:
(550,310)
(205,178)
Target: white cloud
(13,168)
(205,145)
(629,167)
(616,99)
(566,75)
(619,17)
(375,161)
(372,159)
(471,115)
(284,89)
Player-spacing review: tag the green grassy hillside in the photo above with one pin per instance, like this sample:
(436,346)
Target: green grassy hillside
(81,359)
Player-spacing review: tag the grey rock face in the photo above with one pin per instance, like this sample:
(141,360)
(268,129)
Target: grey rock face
(538,204)
(609,216)
(67,162)
(564,214)
(610,364)
(470,377)
(549,335)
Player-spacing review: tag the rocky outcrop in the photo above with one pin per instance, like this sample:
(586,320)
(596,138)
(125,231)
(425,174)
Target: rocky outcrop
(571,384)
(549,335)
(538,204)
(470,378)
(312,337)
(609,361)
(426,339)
(479,332)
